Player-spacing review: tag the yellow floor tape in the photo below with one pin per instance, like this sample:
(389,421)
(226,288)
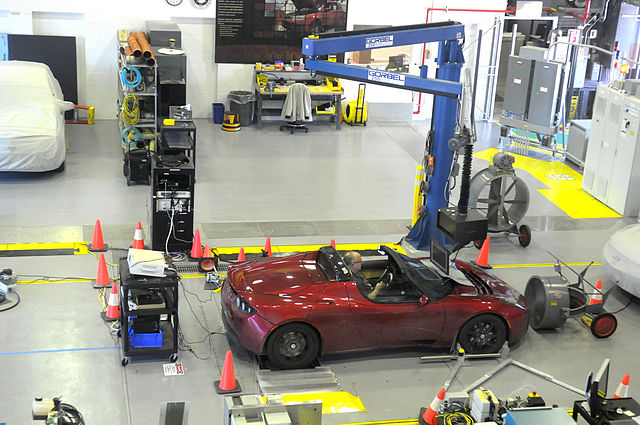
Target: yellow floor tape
(304,248)
(78,248)
(566,194)
(518,266)
(391,422)
(334,402)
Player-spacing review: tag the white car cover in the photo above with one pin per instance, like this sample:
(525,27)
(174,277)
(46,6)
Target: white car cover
(32,125)
(622,259)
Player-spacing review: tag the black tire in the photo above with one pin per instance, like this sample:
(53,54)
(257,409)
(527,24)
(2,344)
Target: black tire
(125,168)
(293,346)
(125,361)
(173,358)
(604,325)
(524,236)
(60,168)
(483,334)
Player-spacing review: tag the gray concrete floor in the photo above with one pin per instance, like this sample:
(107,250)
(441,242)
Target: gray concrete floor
(355,185)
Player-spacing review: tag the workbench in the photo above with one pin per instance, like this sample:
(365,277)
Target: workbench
(273,100)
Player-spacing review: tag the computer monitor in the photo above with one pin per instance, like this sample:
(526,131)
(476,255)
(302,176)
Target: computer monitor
(598,389)
(439,256)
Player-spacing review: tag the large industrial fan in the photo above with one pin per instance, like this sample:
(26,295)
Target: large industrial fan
(553,299)
(503,197)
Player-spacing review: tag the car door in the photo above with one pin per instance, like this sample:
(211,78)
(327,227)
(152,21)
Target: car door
(332,316)
(395,322)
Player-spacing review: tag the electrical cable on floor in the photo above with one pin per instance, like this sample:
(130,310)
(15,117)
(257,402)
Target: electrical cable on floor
(15,303)
(67,414)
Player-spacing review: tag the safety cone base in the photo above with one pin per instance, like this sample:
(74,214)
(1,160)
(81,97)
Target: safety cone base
(421,420)
(105,249)
(103,314)
(237,388)
(482,266)
(96,286)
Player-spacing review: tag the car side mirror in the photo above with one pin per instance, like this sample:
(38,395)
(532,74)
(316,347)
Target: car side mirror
(424,300)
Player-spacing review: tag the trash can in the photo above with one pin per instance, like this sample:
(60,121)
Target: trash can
(218,112)
(241,103)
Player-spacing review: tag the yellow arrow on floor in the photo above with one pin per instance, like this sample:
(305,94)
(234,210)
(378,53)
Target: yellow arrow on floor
(565,185)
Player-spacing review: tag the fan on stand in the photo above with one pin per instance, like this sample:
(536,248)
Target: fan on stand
(503,197)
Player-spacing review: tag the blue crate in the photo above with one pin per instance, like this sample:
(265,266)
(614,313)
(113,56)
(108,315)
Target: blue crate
(145,339)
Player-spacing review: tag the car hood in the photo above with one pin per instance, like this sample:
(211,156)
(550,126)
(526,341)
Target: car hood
(286,275)
(308,4)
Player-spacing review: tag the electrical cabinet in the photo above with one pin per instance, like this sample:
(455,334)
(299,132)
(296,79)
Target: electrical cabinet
(518,85)
(172,196)
(612,163)
(544,93)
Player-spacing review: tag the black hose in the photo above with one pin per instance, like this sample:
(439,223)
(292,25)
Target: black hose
(465,180)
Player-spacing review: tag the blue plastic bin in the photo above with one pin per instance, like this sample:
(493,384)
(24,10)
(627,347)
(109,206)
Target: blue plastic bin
(218,113)
(145,339)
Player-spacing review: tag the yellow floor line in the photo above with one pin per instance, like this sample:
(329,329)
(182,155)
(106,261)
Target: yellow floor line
(333,402)
(391,422)
(304,248)
(516,266)
(45,281)
(565,194)
(79,248)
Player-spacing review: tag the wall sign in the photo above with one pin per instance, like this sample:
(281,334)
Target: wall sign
(249,31)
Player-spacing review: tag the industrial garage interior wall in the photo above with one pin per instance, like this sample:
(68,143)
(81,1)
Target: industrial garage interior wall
(386,101)
(94,24)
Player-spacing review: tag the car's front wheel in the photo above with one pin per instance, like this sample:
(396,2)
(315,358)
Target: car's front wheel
(483,334)
(293,346)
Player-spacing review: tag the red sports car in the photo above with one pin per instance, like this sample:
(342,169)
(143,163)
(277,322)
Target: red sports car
(296,308)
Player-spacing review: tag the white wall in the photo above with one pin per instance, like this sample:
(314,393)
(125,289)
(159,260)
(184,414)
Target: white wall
(94,24)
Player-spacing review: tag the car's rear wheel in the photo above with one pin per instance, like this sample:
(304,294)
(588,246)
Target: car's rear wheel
(293,346)
(483,334)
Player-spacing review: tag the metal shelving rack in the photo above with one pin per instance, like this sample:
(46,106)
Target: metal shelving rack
(147,97)
(168,287)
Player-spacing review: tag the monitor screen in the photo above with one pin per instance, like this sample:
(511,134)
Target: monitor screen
(440,256)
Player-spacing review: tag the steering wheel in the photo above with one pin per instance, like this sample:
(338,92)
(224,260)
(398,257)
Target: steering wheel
(386,277)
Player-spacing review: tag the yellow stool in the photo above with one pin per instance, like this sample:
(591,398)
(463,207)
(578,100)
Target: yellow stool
(231,122)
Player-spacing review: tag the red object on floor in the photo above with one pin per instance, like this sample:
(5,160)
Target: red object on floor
(241,256)
(97,244)
(196,248)
(267,247)
(103,278)
(138,242)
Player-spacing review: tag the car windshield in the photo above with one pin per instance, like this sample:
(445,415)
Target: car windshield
(330,262)
(424,278)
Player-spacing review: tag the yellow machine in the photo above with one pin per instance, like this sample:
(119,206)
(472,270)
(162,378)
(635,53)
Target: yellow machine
(355,112)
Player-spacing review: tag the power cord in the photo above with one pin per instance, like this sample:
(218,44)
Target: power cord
(66,413)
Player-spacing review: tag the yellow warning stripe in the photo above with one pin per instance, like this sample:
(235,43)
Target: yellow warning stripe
(515,266)
(391,422)
(332,402)
(79,248)
(304,248)
(43,281)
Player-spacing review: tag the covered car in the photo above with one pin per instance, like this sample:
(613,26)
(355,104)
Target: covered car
(32,126)
(621,258)
(296,308)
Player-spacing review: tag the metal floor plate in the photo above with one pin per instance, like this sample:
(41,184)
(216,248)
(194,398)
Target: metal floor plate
(319,379)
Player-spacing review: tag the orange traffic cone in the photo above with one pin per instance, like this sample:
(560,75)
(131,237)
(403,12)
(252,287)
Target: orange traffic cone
(266,252)
(97,245)
(483,256)
(227,383)
(241,256)
(102,280)
(207,251)
(597,297)
(113,309)
(196,248)
(623,389)
(138,242)
(333,243)
(429,415)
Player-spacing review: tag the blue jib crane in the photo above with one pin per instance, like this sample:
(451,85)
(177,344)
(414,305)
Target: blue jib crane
(459,225)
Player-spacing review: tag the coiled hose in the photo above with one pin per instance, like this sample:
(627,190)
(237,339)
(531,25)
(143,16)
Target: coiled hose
(130,138)
(130,111)
(124,76)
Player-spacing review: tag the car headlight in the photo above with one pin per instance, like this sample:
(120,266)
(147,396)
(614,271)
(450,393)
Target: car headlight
(244,307)
(511,300)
